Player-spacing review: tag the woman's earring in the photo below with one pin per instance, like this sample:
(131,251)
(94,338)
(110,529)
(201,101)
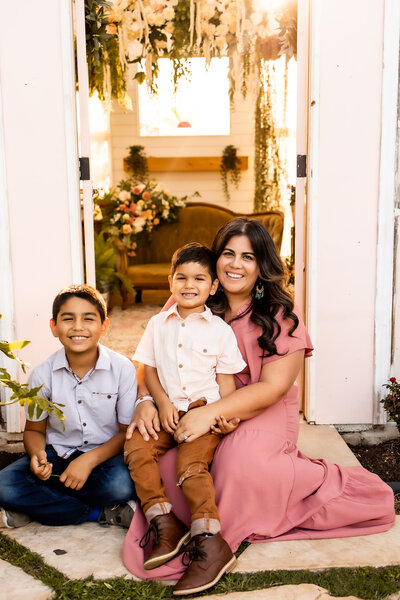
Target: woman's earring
(259,291)
(220,288)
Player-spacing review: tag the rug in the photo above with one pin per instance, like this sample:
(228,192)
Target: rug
(127,326)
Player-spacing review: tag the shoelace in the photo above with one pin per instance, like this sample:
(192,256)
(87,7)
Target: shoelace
(193,553)
(146,538)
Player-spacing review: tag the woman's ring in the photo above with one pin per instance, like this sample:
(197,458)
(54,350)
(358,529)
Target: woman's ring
(185,437)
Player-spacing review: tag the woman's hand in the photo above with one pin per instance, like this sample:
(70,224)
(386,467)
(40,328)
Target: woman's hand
(223,427)
(194,424)
(146,420)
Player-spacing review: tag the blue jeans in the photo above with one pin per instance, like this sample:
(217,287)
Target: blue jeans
(50,502)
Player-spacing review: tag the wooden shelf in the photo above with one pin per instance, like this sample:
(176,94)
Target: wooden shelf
(189,163)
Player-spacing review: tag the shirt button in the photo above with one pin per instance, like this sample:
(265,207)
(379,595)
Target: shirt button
(180,366)
(79,382)
(205,350)
(184,387)
(183,325)
(179,345)
(84,424)
(109,396)
(85,442)
(79,401)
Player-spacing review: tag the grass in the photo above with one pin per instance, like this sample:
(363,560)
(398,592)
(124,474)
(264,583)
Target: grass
(366,583)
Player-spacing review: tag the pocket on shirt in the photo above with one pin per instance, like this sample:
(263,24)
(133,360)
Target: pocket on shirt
(204,356)
(103,405)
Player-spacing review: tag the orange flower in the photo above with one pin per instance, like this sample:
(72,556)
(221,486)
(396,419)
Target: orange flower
(156,221)
(111,28)
(126,228)
(146,196)
(153,206)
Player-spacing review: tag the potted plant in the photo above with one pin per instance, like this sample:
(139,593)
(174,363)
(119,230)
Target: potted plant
(108,278)
(229,169)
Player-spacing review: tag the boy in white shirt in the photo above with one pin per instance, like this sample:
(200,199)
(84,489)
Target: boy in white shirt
(190,356)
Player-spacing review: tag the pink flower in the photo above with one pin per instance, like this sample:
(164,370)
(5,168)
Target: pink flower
(138,189)
(132,208)
(392,379)
(146,196)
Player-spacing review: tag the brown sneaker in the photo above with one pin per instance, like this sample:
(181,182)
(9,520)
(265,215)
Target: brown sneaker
(210,558)
(169,535)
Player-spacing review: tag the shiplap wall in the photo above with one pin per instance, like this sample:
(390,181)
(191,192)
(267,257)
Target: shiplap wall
(124,133)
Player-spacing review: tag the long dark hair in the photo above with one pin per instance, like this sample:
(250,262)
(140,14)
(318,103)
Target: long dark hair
(272,277)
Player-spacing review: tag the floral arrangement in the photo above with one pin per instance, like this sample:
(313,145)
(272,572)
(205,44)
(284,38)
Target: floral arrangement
(391,402)
(133,209)
(146,30)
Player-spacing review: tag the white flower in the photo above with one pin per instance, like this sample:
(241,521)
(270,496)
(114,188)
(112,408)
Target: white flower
(116,218)
(168,13)
(138,224)
(221,30)
(135,49)
(169,27)
(209,29)
(220,42)
(124,195)
(165,214)
(125,217)
(207,11)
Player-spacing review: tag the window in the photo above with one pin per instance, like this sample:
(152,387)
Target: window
(200,105)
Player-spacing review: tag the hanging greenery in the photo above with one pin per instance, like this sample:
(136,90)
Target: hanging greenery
(120,32)
(229,169)
(268,169)
(107,74)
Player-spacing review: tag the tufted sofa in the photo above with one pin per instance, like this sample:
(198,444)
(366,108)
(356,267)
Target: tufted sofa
(198,222)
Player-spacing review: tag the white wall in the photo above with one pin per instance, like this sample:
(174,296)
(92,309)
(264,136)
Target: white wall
(345,123)
(125,133)
(40,165)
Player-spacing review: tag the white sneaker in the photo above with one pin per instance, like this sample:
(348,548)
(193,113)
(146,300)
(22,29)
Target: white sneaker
(9,519)
(118,514)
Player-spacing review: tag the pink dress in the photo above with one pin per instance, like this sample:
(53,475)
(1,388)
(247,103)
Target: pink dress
(266,489)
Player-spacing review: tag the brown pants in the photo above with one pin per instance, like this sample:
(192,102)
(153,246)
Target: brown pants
(192,466)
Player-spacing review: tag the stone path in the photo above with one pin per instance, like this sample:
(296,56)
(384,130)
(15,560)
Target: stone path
(91,550)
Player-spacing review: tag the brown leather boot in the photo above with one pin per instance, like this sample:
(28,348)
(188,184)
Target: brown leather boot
(210,558)
(169,535)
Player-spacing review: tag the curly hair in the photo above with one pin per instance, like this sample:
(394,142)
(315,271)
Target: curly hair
(271,275)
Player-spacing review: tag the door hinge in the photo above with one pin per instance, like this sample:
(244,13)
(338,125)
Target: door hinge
(301,165)
(84,168)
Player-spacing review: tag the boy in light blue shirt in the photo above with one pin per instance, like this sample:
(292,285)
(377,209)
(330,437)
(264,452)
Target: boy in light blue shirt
(77,474)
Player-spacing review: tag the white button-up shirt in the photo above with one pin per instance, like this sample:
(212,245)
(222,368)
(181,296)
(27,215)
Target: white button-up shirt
(188,353)
(93,405)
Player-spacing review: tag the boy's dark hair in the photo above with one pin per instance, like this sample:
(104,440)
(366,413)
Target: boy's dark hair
(197,253)
(86,292)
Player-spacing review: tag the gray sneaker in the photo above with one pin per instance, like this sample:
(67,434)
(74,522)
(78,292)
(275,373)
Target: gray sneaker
(118,514)
(9,519)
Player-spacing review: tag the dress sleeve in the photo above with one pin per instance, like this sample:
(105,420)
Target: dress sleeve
(286,344)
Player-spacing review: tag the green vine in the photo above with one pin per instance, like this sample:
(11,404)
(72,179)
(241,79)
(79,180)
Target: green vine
(267,162)
(229,169)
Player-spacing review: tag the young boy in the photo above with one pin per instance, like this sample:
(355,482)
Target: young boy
(190,357)
(78,474)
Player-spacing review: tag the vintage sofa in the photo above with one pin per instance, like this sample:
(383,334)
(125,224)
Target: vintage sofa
(198,222)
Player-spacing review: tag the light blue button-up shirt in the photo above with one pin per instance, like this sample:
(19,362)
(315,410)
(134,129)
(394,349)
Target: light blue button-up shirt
(93,405)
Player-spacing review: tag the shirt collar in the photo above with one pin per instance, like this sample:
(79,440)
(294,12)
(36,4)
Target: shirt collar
(103,361)
(173,311)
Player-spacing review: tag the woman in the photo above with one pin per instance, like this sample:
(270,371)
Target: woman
(266,489)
